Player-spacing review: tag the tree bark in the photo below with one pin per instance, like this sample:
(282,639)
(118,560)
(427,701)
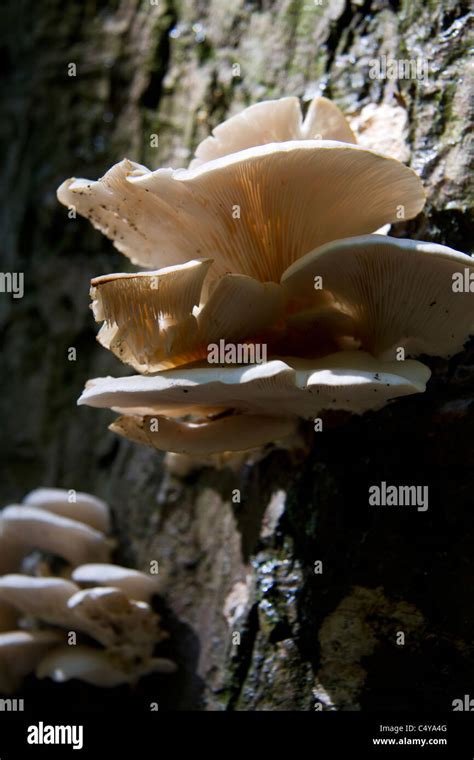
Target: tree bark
(305,639)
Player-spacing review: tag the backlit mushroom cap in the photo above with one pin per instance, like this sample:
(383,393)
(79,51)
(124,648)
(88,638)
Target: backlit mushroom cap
(152,321)
(290,198)
(84,507)
(20,651)
(232,433)
(397,293)
(33,528)
(351,381)
(134,584)
(274,121)
(95,667)
(43,598)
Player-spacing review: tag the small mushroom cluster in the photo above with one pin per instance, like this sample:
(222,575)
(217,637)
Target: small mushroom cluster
(269,239)
(93,621)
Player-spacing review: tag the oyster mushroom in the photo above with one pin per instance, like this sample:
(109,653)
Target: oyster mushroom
(20,652)
(96,667)
(133,583)
(275,209)
(291,197)
(397,293)
(85,508)
(274,121)
(24,528)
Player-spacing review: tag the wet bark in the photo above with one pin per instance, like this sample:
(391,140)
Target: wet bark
(307,639)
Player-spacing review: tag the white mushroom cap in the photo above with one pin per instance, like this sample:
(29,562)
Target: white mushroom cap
(292,196)
(397,293)
(348,380)
(20,651)
(85,508)
(95,667)
(232,433)
(43,598)
(274,121)
(33,528)
(134,584)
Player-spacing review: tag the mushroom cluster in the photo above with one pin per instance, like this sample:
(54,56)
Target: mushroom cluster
(266,246)
(91,620)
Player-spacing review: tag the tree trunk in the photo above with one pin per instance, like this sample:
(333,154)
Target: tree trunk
(254,623)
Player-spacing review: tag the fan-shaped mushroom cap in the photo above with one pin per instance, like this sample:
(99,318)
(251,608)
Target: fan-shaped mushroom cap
(291,197)
(232,433)
(34,528)
(150,322)
(274,121)
(20,651)
(95,667)
(43,598)
(85,508)
(134,584)
(398,293)
(349,380)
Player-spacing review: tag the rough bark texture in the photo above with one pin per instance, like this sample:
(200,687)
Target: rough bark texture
(306,639)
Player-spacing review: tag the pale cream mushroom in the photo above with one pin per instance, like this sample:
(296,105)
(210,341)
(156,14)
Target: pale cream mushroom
(42,598)
(232,433)
(349,380)
(25,528)
(79,506)
(397,294)
(253,212)
(133,583)
(152,319)
(274,121)
(96,667)
(20,651)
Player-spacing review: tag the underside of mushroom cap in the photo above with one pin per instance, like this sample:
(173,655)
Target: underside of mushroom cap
(274,121)
(96,667)
(154,327)
(231,433)
(397,293)
(352,381)
(133,583)
(253,212)
(20,651)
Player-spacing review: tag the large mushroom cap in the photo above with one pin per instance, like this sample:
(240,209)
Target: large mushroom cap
(290,196)
(274,121)
(351,381)
(397,293)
